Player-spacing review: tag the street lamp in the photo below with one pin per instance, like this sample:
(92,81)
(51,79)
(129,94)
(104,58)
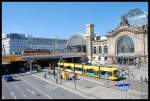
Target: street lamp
(141,86)
(30,62)
(74,75)
(107,79)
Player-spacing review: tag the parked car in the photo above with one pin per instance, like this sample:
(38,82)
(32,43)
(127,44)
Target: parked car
(8,78)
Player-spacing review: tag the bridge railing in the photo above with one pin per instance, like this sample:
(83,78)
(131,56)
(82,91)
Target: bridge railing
(62,54)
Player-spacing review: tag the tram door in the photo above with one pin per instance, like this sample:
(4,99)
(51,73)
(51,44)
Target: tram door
(96,73)
(84,71)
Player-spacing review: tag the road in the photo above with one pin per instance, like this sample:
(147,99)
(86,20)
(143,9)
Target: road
(36,87)
(29,87)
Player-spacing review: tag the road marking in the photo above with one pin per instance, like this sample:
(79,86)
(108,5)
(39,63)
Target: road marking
(28,90)
(31,91)
(51,88)
(66,88)
(19,90)
(37,89)
(13,95)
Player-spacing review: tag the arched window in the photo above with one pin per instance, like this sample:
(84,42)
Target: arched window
(125,45)
(100,50)
(105,49)
(94,49)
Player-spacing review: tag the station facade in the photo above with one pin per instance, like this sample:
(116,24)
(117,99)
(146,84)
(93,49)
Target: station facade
(127,44)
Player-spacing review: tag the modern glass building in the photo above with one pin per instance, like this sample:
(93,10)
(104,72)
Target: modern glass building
(15,43)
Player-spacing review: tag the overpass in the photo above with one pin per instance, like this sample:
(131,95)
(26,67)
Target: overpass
(56,55)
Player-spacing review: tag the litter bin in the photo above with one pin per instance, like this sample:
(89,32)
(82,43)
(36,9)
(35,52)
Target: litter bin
(66,76)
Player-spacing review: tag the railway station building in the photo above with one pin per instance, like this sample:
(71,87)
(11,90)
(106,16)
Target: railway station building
(126,44)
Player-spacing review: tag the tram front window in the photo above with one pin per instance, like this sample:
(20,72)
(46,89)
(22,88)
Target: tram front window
(109,73)
(116,73)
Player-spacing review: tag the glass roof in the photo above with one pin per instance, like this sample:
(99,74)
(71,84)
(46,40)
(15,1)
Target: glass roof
(136,17)
(76,40)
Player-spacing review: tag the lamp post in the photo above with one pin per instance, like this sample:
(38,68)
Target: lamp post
(126,92)
(99,71)
(141,86)
(107,79)
(30,62)
(74,75)
(30,47)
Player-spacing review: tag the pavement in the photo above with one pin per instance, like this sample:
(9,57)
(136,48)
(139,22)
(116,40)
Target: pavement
(96,88)
(134,72)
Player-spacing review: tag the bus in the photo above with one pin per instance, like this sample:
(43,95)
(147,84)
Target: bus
(104,72)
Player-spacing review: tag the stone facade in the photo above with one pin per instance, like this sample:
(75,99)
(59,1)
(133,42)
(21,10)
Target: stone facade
(137,34)
(127,44)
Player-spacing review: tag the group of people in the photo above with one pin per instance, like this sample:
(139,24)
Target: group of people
(53,72)
(56,75)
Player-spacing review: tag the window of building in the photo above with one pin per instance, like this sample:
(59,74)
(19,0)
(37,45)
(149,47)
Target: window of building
(125,45)
(105,50)
(99,58)
(94,49)
(100,50)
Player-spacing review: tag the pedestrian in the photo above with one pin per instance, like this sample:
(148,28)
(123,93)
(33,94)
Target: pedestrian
(51,72)
(54,72)
(45,75)
(49,75)
(61,77)
(56,78)
(138,67)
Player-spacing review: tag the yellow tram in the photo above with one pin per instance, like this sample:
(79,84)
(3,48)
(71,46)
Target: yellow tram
(104,72)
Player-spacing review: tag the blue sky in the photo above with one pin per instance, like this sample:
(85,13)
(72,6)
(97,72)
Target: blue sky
(63,19)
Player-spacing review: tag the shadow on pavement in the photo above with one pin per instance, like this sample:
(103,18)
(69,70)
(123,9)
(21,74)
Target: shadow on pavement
(16,80)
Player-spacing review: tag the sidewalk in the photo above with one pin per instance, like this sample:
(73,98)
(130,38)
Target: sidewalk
(136,73)
(90,88)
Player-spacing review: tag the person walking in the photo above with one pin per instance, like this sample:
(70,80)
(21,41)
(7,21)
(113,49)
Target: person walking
(45,75)
(57,78)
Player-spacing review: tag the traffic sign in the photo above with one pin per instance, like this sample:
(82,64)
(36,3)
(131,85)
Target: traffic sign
(121,85)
